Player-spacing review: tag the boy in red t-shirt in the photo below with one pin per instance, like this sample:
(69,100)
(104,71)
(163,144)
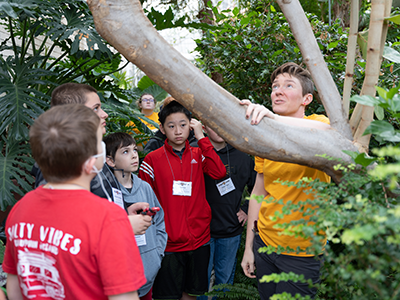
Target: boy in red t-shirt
(64,242)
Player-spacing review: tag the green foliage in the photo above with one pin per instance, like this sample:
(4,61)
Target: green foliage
(2,250)
(387,101)
(252,43)
(14,160)
(237,291)
(361,224)
(41,52)
(170,19)
(44,50)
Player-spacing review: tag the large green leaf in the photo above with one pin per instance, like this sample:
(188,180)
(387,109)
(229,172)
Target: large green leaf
(20,102)
(14,175)
(383,129)
(13,8)
(362,40)
(6,8)
(395,19)
(145,82)
(391,54)
(366,100)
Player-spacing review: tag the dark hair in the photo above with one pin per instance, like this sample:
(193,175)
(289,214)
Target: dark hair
(298,72)
(62,139)
(71,93)
(117,140)
(172,108)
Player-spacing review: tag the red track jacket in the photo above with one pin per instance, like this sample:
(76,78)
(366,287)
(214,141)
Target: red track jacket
(187,218)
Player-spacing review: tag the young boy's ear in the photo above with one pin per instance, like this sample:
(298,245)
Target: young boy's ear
(88,165)
(162,129)
(110,161)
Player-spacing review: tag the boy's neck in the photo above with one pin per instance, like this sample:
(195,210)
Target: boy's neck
(217,145)
(79,183)
(177,148)
(124,178)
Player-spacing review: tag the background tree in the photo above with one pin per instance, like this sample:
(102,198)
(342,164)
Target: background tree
(50,43)
(216,107)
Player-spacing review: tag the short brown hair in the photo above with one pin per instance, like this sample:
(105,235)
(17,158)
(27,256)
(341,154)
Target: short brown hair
(71,93)
(168,100)
(298,72)
(117,140)
(62,139)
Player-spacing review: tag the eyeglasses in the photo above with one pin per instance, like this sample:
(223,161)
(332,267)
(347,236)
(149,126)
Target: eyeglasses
(147,100)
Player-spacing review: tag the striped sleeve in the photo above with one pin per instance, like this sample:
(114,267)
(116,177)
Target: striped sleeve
(147,169)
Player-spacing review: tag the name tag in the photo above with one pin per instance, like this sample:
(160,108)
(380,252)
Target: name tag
(182,188)
(117,195)
(226,186)
(140,240)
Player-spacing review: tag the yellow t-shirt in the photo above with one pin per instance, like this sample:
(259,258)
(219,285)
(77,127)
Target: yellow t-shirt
(153,117)
(285,172)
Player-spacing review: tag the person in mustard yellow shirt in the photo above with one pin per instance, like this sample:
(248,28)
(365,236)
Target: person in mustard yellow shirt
(292,91)
(147,104)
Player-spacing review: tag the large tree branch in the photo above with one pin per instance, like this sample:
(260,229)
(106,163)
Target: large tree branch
(123,24)
(314,60)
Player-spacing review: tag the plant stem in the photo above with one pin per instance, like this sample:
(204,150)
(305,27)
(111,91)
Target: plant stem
(13,39)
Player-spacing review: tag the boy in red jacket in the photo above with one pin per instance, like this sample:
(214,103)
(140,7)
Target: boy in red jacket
(176,174)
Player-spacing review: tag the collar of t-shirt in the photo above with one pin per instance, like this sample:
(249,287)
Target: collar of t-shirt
(179,153)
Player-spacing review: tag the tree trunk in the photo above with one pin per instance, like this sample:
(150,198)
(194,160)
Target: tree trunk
(351,55)
(341,10)
(123,24)
(363,115)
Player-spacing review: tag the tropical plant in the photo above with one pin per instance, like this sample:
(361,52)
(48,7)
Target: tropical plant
(51,43)
(41,52)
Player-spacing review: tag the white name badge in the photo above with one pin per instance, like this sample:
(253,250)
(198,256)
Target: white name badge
(140,240)
(182,188)
(117,195)
(226,186)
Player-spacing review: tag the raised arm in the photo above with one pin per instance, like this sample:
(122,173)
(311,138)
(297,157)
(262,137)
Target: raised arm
(257,112)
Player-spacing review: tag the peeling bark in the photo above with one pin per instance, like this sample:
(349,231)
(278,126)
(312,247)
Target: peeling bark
(123,24)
